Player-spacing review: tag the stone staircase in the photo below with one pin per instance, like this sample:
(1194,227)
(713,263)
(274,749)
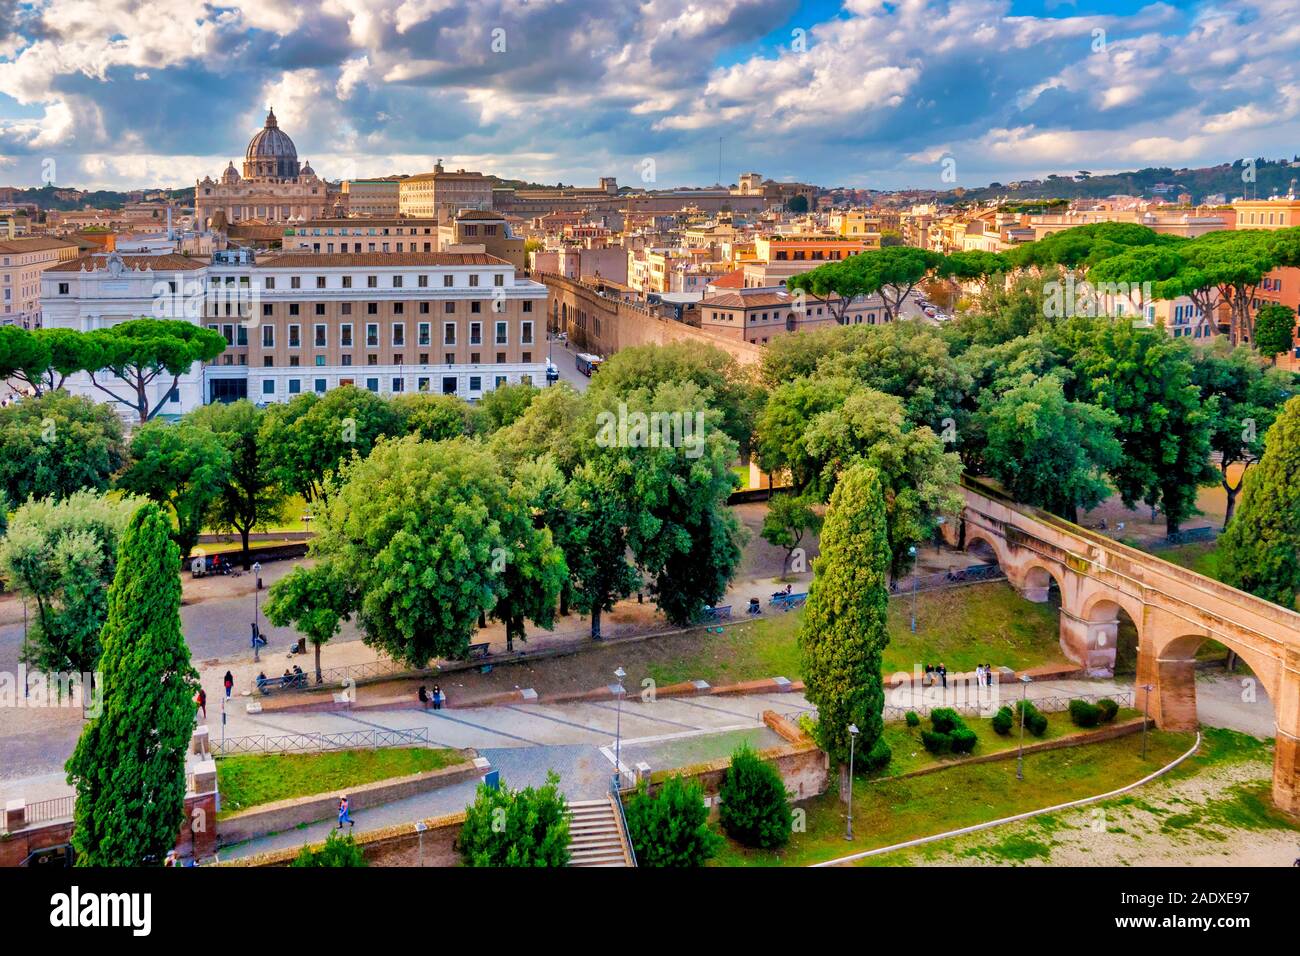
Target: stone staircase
(598,838)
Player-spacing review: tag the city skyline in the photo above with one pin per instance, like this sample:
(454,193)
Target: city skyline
(864,94)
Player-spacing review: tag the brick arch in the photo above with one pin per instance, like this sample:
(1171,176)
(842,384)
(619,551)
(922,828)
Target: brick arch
(1175,610)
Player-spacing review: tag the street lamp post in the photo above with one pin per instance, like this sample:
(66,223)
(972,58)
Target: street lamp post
(618,731)
(1146,715)
(853,736)
(911,551)
(257,584)
(1020,755)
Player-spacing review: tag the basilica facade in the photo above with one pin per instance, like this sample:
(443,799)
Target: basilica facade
(273,188)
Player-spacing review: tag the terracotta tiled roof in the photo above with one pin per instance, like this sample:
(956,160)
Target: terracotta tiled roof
(735,300)
(168,262)
(312,260)
(732,280)
(32,244)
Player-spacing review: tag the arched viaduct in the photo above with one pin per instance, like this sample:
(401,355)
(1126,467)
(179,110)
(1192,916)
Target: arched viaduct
(1175,611)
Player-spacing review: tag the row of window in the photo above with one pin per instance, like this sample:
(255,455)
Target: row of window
(237,334)
(345,360)
(397,384)
(372,308)
(397,281)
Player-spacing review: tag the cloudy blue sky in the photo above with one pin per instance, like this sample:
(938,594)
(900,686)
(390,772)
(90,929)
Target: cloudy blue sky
(122,93)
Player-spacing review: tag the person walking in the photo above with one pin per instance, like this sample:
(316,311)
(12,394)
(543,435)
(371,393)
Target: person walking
(343,815)
(229,683)
(202,700)
(943,675)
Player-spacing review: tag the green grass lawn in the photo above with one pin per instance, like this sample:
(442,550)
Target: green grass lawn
(249,780)
(1200,556)
(910,754)
(961,626)
(291,518)
(889,811)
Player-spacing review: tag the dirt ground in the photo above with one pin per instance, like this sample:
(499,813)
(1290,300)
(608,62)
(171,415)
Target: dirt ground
(1169,822)
(1212,502)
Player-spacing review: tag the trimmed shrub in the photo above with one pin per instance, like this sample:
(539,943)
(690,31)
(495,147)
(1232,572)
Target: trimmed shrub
(528,827)
(336,851)
(945,719)
(671,826)
(879,756)
(913,718)
(963,740)
(1108,709)
(936,742)
(1084,714)
(754,809)
(1035,721)
(1003,721)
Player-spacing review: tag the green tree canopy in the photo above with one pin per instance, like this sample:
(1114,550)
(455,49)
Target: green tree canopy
(129,765)
(727,386)
(1243,396)
(1048,451)
(183,467)
(250,495)
(414,530)
(891,273)
(845,625)
(141,352)
(917,475)
(546,428)
(1274,330)
(306,439)
(674,477)
(314,600)
(56,444)
(435,417)
(1260,551)
(1144,378)
(62,555)
(504,405)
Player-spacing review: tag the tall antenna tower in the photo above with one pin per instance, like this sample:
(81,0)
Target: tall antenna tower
(719,160)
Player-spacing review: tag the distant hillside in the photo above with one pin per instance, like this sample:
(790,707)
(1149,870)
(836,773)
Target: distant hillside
(45,197)
(1271,176)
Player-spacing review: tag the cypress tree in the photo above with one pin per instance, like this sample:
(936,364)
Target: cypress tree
(1260,551)
(129,765)
(844,629)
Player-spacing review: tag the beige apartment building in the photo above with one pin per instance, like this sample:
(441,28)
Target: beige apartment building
(481,231)
(362,236)
(441,194)
(452,323)
(373,197)
(757,316)
(1281,285)
(22,260)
